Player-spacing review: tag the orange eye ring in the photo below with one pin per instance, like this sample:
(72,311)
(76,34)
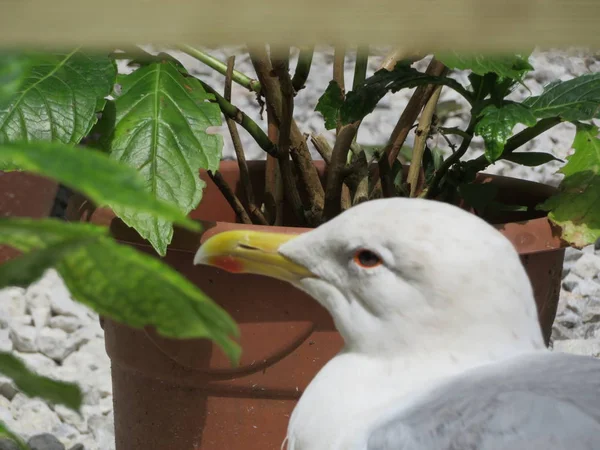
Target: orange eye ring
(367,259)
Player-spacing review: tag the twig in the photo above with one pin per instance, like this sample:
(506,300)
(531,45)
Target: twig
(281,69)
(416,103)
(434,188)
(255,213)
(221,67)
(235,203)
(334,185)
(453,130)
(421,136)
(360,68)
(299,148)
(303,67)
(420,97)
(385,176)
(273,203)
(390,61)
(233,112)
(339,55)
(322,146)
(362,191)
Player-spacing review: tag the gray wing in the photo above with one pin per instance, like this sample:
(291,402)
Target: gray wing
(535,402)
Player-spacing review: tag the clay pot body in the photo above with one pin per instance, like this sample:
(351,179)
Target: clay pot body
(24,195)
(183,395)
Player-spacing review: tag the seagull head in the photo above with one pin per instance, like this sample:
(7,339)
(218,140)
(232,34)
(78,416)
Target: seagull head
(399,275)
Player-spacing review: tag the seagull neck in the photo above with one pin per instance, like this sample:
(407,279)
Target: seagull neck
(475,345)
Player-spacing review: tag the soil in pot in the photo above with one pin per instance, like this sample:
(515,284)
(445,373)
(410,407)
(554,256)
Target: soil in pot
(173,395)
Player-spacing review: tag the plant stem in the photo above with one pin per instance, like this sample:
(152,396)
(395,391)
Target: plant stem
(255,213)
(390,61)
(453,130)
(233,112)
(303,67)
(360,68)
(421,135)
(339,55)
(334,185)
(405,123)
(434,188)
(517,141)
(221,67)
(281,69)
(235,203)
(322,146)
(385,176)
(299,148)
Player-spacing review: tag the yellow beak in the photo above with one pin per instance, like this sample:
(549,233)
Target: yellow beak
(253,252)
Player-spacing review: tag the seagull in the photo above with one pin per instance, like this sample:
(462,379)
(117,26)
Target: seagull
(442,345)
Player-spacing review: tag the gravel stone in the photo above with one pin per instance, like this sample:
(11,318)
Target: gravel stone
(45,441)
(23,338)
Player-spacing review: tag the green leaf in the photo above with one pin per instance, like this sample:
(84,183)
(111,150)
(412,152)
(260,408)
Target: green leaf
(119,282)
(576,208)
(14,69)
(159,128)
(496,125)
(504,65)
(30,267)
(576,99)
(7,434)
(362,100)
(330,103)
(59,99)
(530,159)
(92,173)
(34,385)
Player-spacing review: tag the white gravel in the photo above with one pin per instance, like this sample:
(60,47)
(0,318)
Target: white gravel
(60,338)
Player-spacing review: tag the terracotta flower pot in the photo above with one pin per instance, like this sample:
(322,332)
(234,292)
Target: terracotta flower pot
(183,395)
(24,195)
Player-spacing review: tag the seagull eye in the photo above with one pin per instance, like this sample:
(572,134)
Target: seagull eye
(367,259)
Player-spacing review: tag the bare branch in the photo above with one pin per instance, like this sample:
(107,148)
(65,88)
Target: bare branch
(281,69)
(221,67)
(421,136)
(322,146)
(234,202)
(255,213)
(299,149)
(416,103)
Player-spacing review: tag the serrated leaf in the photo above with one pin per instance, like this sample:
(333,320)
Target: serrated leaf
(329,104)
(496,124)
(59,99)
(576,208)
(503,65)
(7,434)
(33,385)
(362,100)
(159,128)
(123,284)
(104,181)
(572,100)
(530,159)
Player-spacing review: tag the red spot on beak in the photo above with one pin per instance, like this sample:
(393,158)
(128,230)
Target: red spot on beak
(228,263)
